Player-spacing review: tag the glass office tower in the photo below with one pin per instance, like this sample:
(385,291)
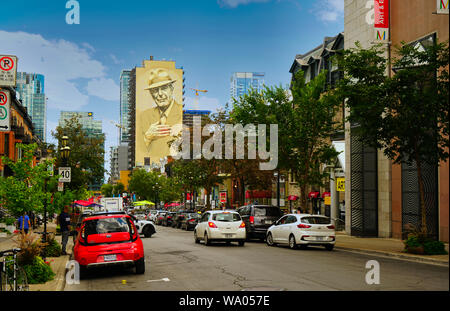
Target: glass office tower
(30,90)
(124,106)
(242,82)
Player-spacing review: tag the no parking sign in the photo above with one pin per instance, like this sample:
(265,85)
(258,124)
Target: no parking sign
(8,70)
(4,111)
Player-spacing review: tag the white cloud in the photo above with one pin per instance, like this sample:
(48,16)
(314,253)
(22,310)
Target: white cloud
(115,59)
(204,103)
(235,3)
(60,61)
(103,88)
(329,10)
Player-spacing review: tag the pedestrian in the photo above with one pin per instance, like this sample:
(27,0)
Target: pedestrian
(32,220)
(24,223)
(64,223)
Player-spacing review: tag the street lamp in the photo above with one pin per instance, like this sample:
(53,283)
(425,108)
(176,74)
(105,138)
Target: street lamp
(277,175)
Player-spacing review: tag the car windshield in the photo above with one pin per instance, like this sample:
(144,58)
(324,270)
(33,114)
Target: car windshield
(226,217)
(267,211)
(107,225)
(316,220)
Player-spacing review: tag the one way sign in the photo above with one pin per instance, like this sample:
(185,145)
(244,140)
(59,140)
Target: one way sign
(4,111)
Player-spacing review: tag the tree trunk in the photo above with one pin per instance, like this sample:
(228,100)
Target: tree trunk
(303,200)
(422,196)
(208,202)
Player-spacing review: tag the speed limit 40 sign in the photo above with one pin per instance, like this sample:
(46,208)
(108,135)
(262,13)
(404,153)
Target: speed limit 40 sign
(64,172)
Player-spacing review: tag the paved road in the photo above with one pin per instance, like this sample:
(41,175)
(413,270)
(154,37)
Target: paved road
(172,254)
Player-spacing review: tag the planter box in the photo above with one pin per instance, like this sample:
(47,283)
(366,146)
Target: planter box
(3,235)
(2,225)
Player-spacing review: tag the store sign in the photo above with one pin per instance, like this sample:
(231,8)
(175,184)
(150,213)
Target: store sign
(8,70)
(442,6)
(340,184)
(327,200)
(381,23)
(5,111)
(223,197)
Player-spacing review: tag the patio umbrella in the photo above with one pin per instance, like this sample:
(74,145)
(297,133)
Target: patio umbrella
(140,203)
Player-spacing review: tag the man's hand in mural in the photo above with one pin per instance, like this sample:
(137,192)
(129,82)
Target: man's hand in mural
(155,131)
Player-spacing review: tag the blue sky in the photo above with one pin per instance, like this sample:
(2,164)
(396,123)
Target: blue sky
(211,39)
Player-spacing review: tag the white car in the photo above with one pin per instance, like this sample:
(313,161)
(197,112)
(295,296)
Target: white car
(223,226)
(145,227)
(152,215)
(302,230)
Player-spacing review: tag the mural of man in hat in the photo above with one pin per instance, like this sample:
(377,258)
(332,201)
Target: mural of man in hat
(163,122)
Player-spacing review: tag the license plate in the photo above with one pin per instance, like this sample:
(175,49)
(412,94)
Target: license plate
(319,238)
(110,257)
(268,222)
(228,235)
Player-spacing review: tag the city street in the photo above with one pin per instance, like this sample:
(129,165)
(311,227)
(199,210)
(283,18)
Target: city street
(175,263)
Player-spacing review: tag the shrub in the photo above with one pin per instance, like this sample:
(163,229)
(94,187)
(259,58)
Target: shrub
(53,249)
(31,246)
(422,245)
(434,248)
(38,272)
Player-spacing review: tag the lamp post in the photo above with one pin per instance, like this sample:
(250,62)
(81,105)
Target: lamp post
(277,175)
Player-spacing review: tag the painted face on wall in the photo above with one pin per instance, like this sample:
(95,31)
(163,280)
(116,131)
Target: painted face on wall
(162,95)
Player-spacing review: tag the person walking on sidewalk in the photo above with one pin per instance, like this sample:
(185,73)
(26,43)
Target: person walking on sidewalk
(64,224)
(24,223)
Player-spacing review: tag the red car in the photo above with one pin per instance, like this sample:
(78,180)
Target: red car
(109,239)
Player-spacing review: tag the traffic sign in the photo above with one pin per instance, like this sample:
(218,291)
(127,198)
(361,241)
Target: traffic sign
(65,174)
(8,70)
(5,125)
(60,186)
(340,184)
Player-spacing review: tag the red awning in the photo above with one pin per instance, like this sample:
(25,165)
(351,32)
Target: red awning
(255,194)
(326,194)
(292,198)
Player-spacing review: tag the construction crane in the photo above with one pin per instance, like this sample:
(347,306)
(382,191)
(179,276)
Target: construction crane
(197,95)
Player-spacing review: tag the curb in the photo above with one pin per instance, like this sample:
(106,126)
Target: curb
(430,261)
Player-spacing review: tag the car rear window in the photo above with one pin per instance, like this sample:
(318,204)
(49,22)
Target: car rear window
(226,217)
(267,211)
(107,225)
(316,220)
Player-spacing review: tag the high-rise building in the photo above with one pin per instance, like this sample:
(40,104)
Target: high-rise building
(124,111)
(243,82)
(92,128)
(30,90)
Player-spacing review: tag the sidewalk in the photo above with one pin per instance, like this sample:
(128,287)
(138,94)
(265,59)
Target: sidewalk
(385,247)
(58,264)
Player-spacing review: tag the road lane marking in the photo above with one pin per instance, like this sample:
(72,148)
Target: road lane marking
(163,280)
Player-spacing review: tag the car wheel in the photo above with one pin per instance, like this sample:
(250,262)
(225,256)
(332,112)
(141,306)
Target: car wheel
(292,244)
(147,231)
(241,243)
(140,266)
(329,247)
(269,240)
(207,241)
(197,241)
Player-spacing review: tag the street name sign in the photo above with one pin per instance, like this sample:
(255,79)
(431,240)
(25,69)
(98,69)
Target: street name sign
(65,174)
(8,70)
(5,118)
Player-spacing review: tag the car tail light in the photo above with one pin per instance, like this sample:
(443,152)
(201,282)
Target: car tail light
(252,219)
(169,217)
(330,227)
(212,225)
(242,225)
(303,226)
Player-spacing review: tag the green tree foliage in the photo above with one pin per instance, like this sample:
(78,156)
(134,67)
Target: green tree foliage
(154,187)
(107,190)
(25,190)
(86,157)
(118,189)
(306,121)
(405,115)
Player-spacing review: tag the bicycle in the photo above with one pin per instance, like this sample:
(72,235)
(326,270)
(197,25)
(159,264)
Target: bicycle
(12,277)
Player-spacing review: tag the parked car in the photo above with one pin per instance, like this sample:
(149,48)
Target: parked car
(160,217)
(168,219)
(144,227)
(223,226)
(258,218)
(109,239)
(178,218)
(141,215)
(302,230)
(190,221)
(152,215)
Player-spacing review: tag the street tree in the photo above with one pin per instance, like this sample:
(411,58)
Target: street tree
(406,115)
(86,157)
(107,190)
